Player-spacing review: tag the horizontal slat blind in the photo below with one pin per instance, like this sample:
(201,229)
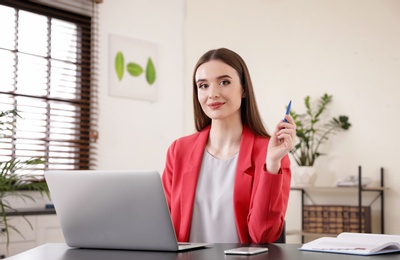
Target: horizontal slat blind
(48,74)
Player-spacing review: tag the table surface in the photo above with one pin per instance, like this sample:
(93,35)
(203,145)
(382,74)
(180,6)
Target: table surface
(60,251)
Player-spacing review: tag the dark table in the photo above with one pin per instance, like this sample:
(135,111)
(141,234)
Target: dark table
(60,251)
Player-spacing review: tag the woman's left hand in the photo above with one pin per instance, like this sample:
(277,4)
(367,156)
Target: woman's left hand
(282,141)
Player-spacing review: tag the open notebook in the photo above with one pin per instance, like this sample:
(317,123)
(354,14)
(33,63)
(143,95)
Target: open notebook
(355,244)
(113,210)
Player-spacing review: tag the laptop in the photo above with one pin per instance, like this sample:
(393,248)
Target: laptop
(114,210)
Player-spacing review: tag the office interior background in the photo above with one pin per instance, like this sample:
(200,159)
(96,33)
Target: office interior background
(293,49)
(349,49)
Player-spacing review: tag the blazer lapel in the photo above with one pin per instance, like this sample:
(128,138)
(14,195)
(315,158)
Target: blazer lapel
(243,183)
(190,177)
(245,151)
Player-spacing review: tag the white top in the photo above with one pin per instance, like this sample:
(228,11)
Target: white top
(213,218)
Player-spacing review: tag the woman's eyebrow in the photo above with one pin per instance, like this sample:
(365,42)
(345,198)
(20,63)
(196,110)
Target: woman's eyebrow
(200,80)
(219,77)
(224,76)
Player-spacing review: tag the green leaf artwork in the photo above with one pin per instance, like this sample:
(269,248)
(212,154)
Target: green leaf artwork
(134,69)
(119,65)
(150,72)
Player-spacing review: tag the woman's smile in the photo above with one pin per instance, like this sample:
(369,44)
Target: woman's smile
(215,105)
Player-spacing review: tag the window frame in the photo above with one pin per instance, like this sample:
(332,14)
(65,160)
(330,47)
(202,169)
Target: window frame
(87,102)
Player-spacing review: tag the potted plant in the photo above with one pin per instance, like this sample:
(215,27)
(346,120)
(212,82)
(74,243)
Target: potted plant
(12,182)
(312,131)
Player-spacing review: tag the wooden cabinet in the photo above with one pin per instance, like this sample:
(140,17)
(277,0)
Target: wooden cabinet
(41,229)
(358,218)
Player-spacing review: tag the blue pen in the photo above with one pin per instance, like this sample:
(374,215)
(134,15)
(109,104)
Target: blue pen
(288,110)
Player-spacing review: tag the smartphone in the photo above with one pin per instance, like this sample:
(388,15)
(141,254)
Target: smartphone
(246,251)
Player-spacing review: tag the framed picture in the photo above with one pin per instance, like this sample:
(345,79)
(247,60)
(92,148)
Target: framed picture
(132,68)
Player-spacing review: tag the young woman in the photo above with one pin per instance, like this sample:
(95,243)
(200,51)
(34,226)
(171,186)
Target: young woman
(230,181)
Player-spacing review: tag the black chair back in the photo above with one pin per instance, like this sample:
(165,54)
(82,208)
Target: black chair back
(282,237)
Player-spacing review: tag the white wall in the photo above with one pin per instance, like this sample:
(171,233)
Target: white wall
(133,133)
(349,49)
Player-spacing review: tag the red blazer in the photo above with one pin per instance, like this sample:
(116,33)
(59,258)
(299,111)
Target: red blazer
(260,198)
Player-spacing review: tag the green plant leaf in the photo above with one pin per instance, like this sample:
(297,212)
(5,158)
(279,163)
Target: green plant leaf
(313,129)
(119,65)
(134,69)
(150,72)
(12,182)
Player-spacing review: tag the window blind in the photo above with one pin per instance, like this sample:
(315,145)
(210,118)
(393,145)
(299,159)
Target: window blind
(48,74)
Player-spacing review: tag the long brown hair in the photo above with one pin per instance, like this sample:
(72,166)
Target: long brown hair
(248,109)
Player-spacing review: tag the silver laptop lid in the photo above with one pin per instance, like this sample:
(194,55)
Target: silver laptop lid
(112,209)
